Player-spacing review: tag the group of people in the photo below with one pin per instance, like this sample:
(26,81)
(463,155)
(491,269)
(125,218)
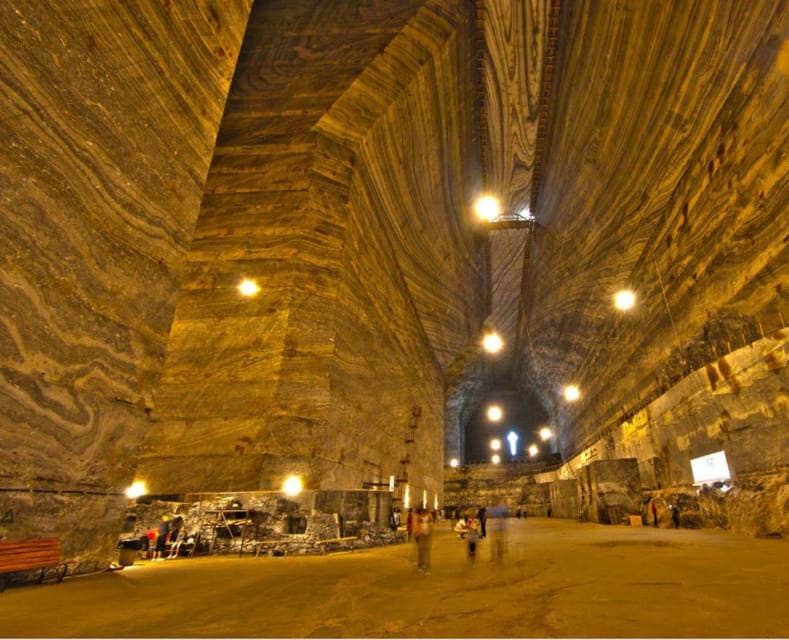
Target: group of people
(674,509)
(170,531)
(475,526)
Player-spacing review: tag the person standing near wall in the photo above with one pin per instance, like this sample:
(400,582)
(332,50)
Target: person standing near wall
(653,508)
(161,539)
(675,516)
(423,533)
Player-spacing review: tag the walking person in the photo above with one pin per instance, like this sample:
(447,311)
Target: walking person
(423,533)
(472,536)
(498,525)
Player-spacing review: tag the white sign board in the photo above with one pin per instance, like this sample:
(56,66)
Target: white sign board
(710,468)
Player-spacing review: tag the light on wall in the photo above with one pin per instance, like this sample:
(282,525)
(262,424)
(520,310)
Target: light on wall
(545,433)
(495,444)
(494,413)
(487,208)
(512,438)
(492,343)
(248,287)
(453,463)
(292,486)
(136,490)
(571,393)
(624,300)
(533,450)
(495,458)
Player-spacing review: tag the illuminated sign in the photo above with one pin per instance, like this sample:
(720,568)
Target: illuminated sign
(710,468)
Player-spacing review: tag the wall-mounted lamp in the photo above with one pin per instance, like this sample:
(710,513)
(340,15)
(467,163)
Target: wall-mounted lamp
(292,486)
(492,343)
(624,300)
(571,393)
(248,287)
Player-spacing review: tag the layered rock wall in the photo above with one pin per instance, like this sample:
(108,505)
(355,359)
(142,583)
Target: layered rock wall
(737,404)
(338,203)
(110,115)
(665,172)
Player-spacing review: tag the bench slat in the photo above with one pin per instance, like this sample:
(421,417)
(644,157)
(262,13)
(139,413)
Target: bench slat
(21,555)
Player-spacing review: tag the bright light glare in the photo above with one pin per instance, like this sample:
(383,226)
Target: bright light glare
(533,450)
(512,437)
(710,468)
(494,413)
(492,343)
(495,444)
(545,433)
(248,287)
(136,490)
(487,208)
(624,300)
(453,463)
(495,458)
(292,486)
(571,393)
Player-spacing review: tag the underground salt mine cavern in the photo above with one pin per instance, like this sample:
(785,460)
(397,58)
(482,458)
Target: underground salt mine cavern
(290,288)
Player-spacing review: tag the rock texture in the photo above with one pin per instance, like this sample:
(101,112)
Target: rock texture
(515,45)
(338,185)
(665,172)
(109,117)
(139,187)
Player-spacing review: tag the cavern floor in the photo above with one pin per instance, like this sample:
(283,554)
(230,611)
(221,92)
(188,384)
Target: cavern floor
(560,579)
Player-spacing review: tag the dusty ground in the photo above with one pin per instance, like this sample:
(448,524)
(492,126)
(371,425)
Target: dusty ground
(560,579)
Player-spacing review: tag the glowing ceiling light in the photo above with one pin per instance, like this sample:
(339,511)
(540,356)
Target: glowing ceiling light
(494,413)
(512,437)
(624,300)
(453,463)
(571,393)
(292,486)
(545,433)
(533,450)
(136,490)
(487,208)
(495,458)
(495,444)
(492,343)
(248,287)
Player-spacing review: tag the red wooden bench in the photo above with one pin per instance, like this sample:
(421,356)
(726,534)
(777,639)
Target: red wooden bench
(43,554)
